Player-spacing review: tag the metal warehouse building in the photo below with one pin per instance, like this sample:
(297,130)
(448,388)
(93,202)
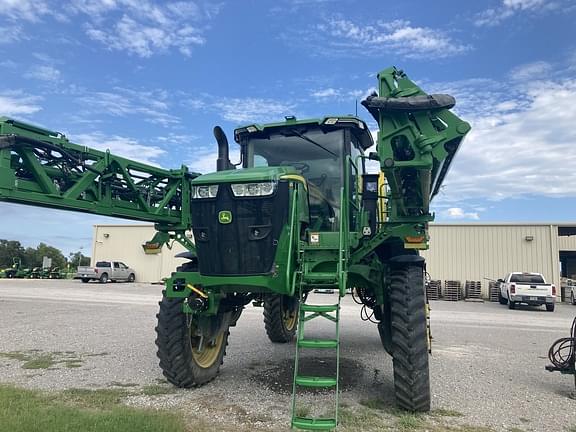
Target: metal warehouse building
(471,251)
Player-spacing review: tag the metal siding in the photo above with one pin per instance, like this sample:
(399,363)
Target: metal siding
(567,243)
(473,252)
(124,243)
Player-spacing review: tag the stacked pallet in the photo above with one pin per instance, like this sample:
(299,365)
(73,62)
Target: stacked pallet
(494,291)
(473,289)
(433,289)
(453,290)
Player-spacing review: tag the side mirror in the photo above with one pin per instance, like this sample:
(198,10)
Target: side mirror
(501,280)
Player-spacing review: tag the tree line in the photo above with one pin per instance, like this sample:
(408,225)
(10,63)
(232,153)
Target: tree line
(32,257)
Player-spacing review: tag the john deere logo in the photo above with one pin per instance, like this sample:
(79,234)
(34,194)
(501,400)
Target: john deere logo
(225,217)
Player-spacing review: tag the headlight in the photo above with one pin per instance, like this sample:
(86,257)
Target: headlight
(204,191)
(253,189)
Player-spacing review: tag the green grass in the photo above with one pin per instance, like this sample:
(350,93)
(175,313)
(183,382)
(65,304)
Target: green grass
(101,398)
(76,410)
(35,359)
(409,422)
(31,359)
(44,361)
(119,384)
(156,390)
(362,419)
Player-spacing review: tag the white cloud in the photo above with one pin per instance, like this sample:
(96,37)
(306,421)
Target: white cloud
(28,10)
(121,146)
(151,105)
(339,94)
(459,213)
(522,140)
(145,40)
(10,34)
(204,160)
(509,8)
(342,36)
(145,28)
(245,110)
(173,138)
(139,27)
(43,73)
(18,104)
(536,70)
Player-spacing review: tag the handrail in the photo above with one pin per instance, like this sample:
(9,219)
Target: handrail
(343,243)
(294,226)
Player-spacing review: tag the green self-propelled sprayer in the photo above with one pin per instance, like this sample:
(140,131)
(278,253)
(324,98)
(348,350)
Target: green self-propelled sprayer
(297,213)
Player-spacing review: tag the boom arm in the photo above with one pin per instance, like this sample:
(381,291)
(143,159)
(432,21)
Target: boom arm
(42,168)
(417,140)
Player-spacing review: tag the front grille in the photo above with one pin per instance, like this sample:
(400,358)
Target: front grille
(247,245)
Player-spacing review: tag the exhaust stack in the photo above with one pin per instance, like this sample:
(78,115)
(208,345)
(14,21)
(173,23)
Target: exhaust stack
(223,161)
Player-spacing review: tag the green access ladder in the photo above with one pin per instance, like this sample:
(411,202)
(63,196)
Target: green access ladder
(307,312)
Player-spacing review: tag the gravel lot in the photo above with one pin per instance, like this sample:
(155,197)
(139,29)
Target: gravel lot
(488,362)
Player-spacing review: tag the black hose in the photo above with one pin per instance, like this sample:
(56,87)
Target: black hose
(562,353)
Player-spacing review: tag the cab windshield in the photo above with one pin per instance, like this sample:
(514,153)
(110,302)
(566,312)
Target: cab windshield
(318,155)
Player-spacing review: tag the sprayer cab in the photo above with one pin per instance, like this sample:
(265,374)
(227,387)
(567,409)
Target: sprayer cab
(318,149)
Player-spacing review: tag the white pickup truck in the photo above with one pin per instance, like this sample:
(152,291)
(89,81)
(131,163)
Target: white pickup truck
(528,288)
(106,271)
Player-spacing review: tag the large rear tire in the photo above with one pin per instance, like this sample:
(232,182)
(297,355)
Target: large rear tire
(280,317)
(184,363)
(409,338)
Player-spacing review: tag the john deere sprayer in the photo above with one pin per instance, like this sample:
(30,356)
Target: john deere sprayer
(298,212)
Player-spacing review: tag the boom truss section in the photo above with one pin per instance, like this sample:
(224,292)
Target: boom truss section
(42,168)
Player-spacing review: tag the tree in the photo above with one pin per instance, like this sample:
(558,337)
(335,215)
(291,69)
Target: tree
(78,259)
(34,256)
(9,249)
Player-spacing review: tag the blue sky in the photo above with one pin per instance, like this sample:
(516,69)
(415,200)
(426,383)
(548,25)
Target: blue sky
(149,80)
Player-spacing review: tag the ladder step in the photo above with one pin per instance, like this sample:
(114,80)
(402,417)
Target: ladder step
(318,343)
(319,308)
(313,423)
(314,381)
(321,276)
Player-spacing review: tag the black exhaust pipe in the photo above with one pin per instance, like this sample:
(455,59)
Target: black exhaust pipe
(223,162)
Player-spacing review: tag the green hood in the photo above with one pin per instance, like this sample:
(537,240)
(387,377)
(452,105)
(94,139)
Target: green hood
(245,175)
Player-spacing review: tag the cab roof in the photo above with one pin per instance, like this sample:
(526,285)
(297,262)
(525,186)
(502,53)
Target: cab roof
(358,127)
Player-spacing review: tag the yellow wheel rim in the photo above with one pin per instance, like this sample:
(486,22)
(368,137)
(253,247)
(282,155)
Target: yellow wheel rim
(289,318)
(209,354)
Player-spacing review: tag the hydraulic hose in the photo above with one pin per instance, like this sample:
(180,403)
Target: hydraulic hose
(562,352)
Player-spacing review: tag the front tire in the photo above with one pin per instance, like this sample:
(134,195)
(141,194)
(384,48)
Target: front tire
(280,317)
(503,300)
(131,278)
(409,339)
(182,361)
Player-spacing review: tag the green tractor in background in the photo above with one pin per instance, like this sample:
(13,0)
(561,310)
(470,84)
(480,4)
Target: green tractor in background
(298,212)
(16,271)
